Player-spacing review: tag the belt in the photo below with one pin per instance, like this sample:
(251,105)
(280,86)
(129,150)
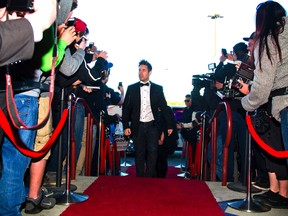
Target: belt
(147,123)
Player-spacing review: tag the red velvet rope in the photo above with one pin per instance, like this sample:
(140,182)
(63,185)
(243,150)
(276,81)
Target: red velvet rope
(261,143)
(17,142)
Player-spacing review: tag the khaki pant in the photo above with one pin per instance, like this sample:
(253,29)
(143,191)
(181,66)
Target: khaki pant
(43,134)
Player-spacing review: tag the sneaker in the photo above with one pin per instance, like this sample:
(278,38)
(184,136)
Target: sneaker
(35,206)
(264,186)
(272,199)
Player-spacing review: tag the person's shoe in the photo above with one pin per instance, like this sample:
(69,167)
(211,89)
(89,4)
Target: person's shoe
(272,199)
(264,186)
(35,206)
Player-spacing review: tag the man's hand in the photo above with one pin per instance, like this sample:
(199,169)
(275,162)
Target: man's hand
(127,132)
(245,87)
(68,35)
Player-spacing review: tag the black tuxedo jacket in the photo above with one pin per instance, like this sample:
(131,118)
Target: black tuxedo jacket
(132,104)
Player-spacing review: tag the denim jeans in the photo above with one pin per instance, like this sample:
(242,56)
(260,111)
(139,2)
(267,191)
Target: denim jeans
(79,116)
(284,127)
(12,190)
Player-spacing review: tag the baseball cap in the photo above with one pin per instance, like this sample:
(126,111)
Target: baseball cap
(249,38)
(80,26)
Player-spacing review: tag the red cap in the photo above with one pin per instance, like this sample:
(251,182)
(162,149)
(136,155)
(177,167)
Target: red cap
(80,26)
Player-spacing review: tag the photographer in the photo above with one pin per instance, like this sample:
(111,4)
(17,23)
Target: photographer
(225,73)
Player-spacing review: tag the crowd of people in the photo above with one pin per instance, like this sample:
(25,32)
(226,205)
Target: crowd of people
(83,71)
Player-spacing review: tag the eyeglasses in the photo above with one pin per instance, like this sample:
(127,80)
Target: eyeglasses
(186,101)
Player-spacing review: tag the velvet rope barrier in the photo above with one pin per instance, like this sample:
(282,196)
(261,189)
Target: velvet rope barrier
(261,143)
(17,142)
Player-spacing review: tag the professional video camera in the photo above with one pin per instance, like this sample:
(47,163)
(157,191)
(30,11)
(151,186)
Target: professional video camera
(204,80)
(231,87)
(204,101)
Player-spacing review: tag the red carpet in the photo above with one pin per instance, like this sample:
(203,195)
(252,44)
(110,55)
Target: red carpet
(171,173)
(129,196)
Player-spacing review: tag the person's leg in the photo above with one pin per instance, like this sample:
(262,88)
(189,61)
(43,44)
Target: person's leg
(151,136)
(12,193)
(35,201)
(81,158)
(284,127)
(140,151)
(79,116)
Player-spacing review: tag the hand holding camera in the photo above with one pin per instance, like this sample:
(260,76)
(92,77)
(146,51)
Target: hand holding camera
(81,43)
(68,34)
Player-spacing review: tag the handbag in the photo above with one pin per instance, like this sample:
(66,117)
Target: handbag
(261,121)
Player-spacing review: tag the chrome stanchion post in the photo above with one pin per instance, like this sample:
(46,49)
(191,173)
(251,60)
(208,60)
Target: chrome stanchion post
(69,197)
(203,118)
(99,141)
(248,204)
(182,157)
(184,174)
(129,146)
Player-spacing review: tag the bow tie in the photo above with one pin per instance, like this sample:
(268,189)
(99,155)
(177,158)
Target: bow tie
(144,84)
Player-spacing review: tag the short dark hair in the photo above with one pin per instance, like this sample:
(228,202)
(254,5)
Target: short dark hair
(74,5)
(145,62)
(188,95)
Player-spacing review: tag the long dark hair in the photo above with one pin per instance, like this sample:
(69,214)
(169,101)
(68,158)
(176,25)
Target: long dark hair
(269,22)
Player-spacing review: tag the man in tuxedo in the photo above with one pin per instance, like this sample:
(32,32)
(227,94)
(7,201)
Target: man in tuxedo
(140,110)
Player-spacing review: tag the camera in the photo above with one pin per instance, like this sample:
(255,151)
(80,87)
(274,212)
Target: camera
(20,6)
(212,66)
(245,73)
(71,22)
(203,80)
(91,44)
(80,40)
(224,52)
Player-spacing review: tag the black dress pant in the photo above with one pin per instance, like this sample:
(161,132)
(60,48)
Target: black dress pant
(146,149)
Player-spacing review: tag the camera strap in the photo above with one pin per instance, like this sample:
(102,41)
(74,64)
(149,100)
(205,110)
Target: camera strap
(279,92)
(12,108)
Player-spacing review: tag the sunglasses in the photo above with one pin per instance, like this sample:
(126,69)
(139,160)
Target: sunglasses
(186,101)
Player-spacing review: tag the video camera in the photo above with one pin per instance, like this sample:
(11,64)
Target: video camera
(20,6)
(203,80)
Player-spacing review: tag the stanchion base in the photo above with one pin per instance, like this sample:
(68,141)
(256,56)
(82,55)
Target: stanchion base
(252,206)
(123,174)
(239,187)
(61,189)
(70,197)
(179,166)
(125,165)
(182,175)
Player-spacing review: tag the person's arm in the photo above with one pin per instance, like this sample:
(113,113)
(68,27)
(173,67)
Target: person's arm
(126,109)
(122,95)
(17,35)
(16,41)
(71,63)
(262,82)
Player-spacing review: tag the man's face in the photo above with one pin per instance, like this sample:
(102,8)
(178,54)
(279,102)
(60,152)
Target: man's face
(188,102)
(144,73)
(250,46)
